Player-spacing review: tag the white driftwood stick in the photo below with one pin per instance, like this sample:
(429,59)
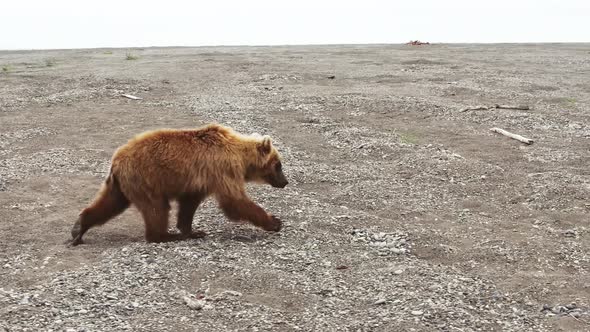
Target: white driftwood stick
(131,97)
(513,136)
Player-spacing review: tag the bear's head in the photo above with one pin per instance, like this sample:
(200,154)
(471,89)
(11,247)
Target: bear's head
(268,168)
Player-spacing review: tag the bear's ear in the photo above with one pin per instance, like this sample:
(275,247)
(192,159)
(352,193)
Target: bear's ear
(265,145)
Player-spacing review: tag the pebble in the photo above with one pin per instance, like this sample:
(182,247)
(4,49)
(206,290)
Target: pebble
(193,304)
(416,312)
(232,293)
(570,233)
(398,250)
(559,309)
(380,301)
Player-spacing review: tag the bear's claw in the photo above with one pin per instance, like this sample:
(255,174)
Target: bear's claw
(275,225)
(76,229)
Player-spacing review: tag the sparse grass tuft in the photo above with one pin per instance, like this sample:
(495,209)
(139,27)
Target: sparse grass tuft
(49,62)
(108,52)
(5,68)
(130,56)
(408,138)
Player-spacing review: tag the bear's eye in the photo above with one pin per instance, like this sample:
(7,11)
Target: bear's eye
(278,166)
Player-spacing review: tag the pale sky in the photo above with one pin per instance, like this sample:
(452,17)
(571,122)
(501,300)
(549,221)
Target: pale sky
(47,24)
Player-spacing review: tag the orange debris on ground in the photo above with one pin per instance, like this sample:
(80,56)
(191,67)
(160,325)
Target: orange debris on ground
(417,42)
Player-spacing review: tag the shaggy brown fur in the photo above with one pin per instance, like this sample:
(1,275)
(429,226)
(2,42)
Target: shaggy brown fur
(188,166)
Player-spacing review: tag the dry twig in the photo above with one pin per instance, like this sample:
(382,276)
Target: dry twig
(496,106)
(576,318)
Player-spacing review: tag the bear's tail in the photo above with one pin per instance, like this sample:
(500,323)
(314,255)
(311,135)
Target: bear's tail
(109,203)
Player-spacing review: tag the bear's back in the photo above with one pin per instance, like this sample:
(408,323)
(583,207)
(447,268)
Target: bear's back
(173,160)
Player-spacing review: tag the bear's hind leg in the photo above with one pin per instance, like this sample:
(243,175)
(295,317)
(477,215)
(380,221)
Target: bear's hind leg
(155,216)
(109,203)
(187,206)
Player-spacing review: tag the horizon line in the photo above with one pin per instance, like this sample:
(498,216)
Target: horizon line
(290,45)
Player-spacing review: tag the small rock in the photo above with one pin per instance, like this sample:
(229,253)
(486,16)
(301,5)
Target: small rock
(558,309)
(398,250)
(434,287)
(380,301)
(232,293)
(570,233)
(398,272)
(193,304)
(416,312)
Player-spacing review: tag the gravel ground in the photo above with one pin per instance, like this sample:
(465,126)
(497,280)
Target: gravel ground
(402,213)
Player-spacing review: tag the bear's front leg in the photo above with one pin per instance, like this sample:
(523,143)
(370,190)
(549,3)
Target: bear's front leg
(188,204)
(244,209)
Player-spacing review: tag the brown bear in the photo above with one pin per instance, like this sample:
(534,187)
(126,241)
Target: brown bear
(185,165)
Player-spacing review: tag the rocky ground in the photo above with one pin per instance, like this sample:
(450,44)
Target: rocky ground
(403,213)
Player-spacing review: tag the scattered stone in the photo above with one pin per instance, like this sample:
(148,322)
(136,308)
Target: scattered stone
(193,304)
(395,243)
(380,301)
(570,233)
(232,293)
